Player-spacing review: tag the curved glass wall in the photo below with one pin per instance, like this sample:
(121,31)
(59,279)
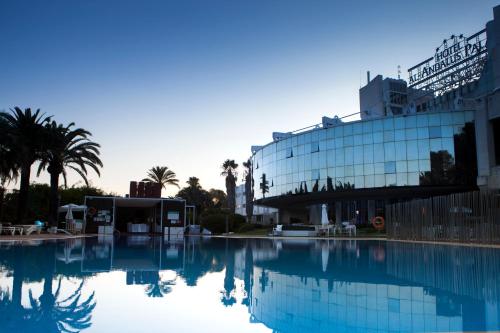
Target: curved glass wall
(421,149)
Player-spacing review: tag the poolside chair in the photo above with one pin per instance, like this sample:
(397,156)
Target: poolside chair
(28,230)
(278,230)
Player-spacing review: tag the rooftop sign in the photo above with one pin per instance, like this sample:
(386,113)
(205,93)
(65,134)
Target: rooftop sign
(457,61)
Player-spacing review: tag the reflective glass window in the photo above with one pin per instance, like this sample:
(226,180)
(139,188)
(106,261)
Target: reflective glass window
(331,172)
(368,153)
(321,135)
(411,121)
(357,128)
(399,135)
(390,151)
(348,141)
(359,182)
(322,145)
(358,154)
(323,173)
(330,144)
(369,181)
(347,130)
(339,171)
(367,126)
(390,180)
(368,169)
(314,174)
(413,166)
(388,124)
(314,146)
(388,136)
(379,168)
(348,180)
(378,125)
(434,119)
(367,138)
(322,159)
(349,155)
(348,171)
(358,170)
(399,123)
(447,144)
(358,139)
(315,161)
(378,152)
(390,167)
(339,142)
(378,137)
(424,165)
(379,180)
(423,132)
(447,131)
(411,134)
(422,120)
(402,179)
(458,118)
(339,131)
(434,132)
(330,157)
(401,166)
(412,150)
(401,151)
(413,178)
(435,145)
(423,149)
(339,157)
(289,152)
(330,133)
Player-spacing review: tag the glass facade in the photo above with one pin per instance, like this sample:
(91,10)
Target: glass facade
(411,150)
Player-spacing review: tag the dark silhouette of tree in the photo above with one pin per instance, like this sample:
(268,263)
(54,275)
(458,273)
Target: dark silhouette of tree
(329,184)
(316,186)
(68,315)
(24,136)
(162,176)
(159,288)
(249,195)
(229,171)
(264,185)
(66,148)
(196,195)
(442,170)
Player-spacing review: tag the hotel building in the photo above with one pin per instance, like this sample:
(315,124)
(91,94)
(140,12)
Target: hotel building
(437,133)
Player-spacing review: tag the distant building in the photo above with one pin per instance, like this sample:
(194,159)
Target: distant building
(261,214)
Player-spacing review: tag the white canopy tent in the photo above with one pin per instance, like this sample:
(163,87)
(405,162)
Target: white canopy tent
(73,225)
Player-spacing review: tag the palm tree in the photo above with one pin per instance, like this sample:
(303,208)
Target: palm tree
(248,189)
(25,137)
(67,148)
(8,167)
(264,185)
(194,183)
(162,176)
(229,171)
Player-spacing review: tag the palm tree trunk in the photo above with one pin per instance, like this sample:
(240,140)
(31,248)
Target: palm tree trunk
(24,188)
(54,199)
(18,278)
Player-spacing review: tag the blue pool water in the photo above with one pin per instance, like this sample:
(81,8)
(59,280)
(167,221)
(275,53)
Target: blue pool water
(141,284)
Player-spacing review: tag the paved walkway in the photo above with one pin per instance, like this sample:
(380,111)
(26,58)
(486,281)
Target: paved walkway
(41,237)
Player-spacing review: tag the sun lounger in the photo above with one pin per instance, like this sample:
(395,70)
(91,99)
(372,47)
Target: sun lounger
(29,229)
(278,230)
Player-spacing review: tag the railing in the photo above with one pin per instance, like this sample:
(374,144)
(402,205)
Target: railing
(471,217)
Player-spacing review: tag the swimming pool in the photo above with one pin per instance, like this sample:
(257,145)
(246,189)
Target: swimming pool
(140,284)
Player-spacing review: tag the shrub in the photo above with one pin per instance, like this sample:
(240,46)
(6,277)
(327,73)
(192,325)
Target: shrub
(246,227)
(216,222)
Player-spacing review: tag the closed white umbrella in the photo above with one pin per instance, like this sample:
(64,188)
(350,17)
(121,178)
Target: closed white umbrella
(69,213)
(324,215)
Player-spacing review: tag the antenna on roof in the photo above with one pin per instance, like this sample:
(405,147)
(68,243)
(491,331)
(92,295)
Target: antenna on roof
(399,72)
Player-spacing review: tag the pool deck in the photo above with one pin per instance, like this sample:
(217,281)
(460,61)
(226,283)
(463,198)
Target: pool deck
(42,237)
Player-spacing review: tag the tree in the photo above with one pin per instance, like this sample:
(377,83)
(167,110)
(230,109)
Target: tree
(195,195)
(218,198)
(249,189)
(229,171)
(162,176)
(264,185)
(24,130)
(66,148)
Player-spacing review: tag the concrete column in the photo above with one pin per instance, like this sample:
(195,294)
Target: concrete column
(338,212)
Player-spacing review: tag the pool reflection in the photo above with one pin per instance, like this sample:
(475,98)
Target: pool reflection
(287,285)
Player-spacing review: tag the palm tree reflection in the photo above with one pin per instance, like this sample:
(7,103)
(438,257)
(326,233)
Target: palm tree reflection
(159,288)
(68,315)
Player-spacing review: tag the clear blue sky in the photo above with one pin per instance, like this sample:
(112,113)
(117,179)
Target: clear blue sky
(188,84)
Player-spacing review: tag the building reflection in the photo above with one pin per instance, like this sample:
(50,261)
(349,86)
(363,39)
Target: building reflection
(288,285)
